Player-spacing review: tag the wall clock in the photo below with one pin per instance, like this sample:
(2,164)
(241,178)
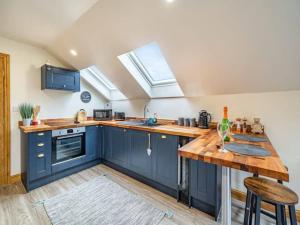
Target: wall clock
(85,97)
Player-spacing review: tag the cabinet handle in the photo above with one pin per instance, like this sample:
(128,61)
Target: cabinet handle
(40,144)
(40,134)
(163,137)
(149,151)
(41,155)
(65,85)
(124,130)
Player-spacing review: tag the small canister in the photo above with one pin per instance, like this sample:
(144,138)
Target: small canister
(180,121)
(187,122)
(193,122)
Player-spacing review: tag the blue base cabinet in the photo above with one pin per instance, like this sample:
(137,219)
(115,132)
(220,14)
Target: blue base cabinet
(128,149)
(116,145)
(92,143)
(36,157)
(165,159)
(205,187)
(138,159)
(39,160)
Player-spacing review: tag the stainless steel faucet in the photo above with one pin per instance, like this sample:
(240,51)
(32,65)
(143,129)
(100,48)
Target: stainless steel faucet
(146,109)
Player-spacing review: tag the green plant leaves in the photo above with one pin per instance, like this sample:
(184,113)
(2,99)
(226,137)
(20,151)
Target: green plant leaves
(26,110)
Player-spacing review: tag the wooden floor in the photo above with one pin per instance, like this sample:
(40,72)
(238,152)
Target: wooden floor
(20,208)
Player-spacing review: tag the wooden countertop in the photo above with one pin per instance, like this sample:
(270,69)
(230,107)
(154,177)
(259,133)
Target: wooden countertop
(205,149)
(171,129)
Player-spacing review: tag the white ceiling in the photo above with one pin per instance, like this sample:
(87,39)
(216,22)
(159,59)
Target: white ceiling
(212,46)
(39,22)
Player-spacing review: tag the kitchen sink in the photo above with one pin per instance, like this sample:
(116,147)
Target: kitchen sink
(138,123)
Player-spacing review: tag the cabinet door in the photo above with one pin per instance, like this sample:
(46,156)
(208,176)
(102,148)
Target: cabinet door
(106,150)
(62,79)
(39,154)
(91,143)
(203,181)
(119,146)
(165,159)
(138,160)
(100,151)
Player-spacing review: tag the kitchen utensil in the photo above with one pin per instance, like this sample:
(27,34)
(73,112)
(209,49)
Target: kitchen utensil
(204,119)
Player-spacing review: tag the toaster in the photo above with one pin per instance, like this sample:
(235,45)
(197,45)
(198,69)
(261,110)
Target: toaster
(119,116)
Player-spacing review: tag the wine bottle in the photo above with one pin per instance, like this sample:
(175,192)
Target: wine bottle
(225,122)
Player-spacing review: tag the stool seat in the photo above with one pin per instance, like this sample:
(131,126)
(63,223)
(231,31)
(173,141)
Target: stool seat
(271,191)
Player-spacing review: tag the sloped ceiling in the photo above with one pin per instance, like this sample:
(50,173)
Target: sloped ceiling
(212,46)
(39,22)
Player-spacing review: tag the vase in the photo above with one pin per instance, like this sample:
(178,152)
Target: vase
(26,122)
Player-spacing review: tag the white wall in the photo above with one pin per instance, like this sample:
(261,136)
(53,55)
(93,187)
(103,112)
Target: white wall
(279,111)
(25,63)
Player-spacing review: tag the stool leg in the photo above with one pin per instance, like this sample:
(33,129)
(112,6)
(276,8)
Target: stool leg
(278,215)
(252,207)
(292,212)
(257,210)
(247,208)
(282,208)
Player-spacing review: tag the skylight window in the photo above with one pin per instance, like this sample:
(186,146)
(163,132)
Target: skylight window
(99,81)
(150,69)
(152,65)
(99,75)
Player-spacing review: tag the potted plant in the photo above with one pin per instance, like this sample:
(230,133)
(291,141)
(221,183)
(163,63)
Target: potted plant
(26,111)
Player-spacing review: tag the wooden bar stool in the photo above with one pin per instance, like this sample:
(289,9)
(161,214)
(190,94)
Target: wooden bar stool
(261,189)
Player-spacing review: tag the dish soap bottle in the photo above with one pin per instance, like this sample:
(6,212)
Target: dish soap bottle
(225,123)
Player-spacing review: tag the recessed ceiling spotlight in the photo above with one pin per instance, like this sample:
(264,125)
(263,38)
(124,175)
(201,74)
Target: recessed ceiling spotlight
(169,1)
(73,52)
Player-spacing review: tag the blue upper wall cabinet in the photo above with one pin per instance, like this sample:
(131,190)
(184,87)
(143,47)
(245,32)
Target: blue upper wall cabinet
(60,79)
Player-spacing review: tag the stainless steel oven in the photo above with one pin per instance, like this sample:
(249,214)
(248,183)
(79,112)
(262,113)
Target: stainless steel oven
(68,144)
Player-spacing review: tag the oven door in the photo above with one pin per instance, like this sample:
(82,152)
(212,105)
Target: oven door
(67,147)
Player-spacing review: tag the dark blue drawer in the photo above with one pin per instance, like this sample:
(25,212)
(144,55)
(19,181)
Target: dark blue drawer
(39,157)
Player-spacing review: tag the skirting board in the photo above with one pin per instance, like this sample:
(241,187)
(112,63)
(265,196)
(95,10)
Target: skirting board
(14,179)
(241,196)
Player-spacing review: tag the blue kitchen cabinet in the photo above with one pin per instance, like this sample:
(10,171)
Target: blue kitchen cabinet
(165,159)
(205,186)
(116,142)
(39,155)
(138,159)
(92,143)
(100,148)
(106,144)
(60,79)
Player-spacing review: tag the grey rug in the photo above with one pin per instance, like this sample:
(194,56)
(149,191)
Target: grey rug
(101,202)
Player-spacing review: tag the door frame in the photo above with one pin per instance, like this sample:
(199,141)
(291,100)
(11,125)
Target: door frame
(6,106)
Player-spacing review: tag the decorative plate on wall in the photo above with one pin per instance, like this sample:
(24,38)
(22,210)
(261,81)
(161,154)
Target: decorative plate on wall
(85,97)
